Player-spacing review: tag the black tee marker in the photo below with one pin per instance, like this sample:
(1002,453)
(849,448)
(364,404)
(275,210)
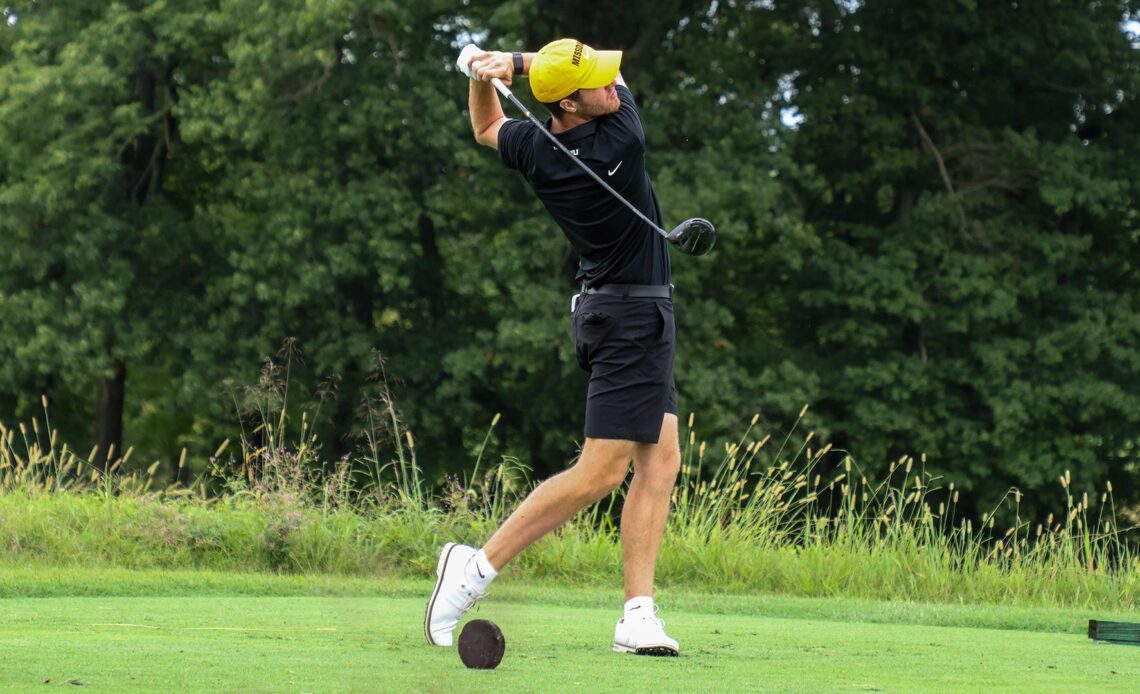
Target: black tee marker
(481,645)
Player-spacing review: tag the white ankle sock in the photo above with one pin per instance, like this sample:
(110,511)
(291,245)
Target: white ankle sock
(640,605)
(479,570)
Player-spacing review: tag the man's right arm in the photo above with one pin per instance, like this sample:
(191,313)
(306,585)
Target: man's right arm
(487,115)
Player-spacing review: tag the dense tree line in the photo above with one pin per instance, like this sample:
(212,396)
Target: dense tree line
(927,215)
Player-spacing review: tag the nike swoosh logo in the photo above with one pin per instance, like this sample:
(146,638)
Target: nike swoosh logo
(479,571)
(611,172)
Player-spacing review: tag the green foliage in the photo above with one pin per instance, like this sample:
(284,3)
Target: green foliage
(965,175)
(940,257)
(763,518)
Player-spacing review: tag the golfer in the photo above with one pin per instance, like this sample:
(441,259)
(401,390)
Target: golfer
(622,326)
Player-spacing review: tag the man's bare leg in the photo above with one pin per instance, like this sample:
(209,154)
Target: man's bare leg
(602,466)
(655,468)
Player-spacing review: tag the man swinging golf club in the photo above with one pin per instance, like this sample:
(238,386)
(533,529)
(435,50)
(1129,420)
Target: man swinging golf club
(622,325)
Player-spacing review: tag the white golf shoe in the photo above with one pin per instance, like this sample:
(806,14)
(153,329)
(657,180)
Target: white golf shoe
(643,635)
(453,595)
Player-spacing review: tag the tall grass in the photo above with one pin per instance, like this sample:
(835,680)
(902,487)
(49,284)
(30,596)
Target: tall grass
(779,525)
(759,517)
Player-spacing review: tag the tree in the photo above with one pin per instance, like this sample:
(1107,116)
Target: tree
(926,212)
(95,247)
(975,294)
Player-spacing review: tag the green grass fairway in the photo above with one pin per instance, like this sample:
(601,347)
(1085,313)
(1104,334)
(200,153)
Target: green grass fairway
(326,644)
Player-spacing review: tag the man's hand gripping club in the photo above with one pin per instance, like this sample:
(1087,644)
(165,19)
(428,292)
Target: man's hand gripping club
(482,66)
(486,112)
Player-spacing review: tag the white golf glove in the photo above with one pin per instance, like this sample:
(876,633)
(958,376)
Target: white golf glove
(463,62)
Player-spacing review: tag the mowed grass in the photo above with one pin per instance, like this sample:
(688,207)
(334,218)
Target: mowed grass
(367,636)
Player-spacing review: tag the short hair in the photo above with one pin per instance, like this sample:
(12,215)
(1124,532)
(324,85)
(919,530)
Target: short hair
(555,107)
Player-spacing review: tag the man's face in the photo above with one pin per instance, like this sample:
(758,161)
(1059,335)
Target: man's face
(598,102)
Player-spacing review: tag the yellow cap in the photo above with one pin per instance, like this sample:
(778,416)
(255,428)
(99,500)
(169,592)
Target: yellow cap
(561,67)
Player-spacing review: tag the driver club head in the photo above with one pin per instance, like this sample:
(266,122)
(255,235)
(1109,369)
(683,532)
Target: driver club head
(694,236)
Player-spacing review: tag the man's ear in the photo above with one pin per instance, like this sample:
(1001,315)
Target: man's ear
(569,105)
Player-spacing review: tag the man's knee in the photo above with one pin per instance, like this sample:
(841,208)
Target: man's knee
(605,464)
(671,464)
(660,467)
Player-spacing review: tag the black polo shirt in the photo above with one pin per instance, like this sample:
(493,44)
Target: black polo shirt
(614,245)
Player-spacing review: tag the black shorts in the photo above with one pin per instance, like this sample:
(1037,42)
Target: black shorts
(627,345)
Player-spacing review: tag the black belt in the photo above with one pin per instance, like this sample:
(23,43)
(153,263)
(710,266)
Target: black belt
(647,291)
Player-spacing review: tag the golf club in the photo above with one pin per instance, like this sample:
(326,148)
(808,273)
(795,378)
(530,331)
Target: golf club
(694,236)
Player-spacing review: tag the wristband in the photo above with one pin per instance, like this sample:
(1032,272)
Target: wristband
(518,63)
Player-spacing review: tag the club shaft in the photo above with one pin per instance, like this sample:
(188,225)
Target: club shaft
(505,91)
